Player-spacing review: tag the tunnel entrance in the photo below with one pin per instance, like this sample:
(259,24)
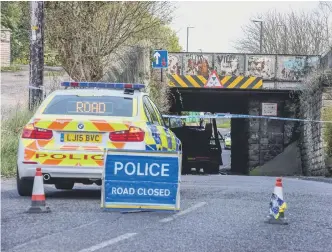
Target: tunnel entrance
(227,101)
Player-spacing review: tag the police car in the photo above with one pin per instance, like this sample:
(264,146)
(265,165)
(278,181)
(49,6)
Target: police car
(70,130)
(228,141)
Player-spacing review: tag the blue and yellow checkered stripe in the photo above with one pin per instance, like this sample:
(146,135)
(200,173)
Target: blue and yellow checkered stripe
(161,139)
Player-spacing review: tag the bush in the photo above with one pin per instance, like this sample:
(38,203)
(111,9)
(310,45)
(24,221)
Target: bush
(327,116)
(10,131)
(328,131)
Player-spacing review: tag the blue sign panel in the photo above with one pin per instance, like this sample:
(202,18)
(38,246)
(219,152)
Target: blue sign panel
(160,59)
(141,180)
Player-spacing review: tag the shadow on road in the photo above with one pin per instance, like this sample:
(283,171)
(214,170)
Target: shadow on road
(92,194)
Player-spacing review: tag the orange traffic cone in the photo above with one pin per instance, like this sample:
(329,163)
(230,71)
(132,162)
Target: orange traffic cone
(38,203)
(277,205)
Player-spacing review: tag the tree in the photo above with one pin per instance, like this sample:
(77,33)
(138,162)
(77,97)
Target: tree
(15,16)
(85,34)
(167,39)
(290,33)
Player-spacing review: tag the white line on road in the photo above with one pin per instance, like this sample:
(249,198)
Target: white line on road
(188,210)
(109,242)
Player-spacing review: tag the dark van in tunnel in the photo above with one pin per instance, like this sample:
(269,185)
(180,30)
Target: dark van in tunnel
(200,147)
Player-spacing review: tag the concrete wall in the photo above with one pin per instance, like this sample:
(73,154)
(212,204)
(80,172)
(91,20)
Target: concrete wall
(288,68)
(131,65)
(5,47)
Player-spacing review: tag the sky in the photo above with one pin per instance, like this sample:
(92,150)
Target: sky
(218,23)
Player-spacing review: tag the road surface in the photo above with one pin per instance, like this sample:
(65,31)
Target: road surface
(219,213)
(226,154)
(226,158)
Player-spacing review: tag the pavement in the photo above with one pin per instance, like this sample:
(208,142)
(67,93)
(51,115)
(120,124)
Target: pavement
(14,87)
(218,213)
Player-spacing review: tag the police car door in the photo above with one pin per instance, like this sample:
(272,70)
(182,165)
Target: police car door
(160,133)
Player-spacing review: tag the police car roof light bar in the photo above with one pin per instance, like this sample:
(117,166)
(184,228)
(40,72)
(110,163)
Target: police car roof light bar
(103,85)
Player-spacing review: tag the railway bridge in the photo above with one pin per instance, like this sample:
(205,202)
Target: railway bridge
(256,84)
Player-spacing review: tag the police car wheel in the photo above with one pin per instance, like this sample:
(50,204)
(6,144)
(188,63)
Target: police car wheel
(65,186)
(24,186)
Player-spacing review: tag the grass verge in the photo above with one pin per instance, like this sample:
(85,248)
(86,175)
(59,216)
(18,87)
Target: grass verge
(254,172)
(12,68)
(10,131)
(224,125)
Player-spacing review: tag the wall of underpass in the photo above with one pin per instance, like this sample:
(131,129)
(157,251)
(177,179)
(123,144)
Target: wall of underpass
(268,138)
(312,143)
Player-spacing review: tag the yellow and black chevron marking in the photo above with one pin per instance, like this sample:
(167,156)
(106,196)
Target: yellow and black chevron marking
(198,81)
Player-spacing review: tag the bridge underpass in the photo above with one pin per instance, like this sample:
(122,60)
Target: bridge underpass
(247,82)
(245,152)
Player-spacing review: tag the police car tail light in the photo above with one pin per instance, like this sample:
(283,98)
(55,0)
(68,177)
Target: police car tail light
(31,132)
(133,134)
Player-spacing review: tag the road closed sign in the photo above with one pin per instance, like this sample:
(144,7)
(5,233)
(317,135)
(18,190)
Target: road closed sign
(141,180)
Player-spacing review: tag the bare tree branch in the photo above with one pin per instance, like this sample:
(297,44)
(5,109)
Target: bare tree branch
(290,33)
(85,33)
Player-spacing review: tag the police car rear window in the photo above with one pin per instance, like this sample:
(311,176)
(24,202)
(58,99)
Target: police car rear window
(90,105)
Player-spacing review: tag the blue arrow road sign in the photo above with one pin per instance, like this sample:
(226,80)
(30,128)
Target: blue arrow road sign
(160,59)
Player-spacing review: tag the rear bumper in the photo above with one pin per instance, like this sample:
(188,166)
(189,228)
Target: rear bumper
(79,172)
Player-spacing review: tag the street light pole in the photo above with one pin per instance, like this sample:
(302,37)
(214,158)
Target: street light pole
(286,40)
(261,34)
(188,36)
(261,39)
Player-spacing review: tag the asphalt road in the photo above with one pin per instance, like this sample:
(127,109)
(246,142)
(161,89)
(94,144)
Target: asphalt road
(226,158)
(219,213)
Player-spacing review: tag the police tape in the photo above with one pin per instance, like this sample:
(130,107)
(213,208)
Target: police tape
(33,87)
(230,116)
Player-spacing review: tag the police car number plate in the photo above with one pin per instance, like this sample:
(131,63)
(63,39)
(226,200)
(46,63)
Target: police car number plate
(80,138)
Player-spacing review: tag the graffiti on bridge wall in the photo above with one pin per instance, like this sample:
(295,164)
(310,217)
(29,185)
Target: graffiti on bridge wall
(261,66)
(229,64)
(175,63)
(197,64)
(294,68)
(268,67)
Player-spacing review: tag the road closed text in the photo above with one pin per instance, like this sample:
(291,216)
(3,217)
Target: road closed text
(156,192)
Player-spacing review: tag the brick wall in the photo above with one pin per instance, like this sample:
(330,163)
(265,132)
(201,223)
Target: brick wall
(5,47)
